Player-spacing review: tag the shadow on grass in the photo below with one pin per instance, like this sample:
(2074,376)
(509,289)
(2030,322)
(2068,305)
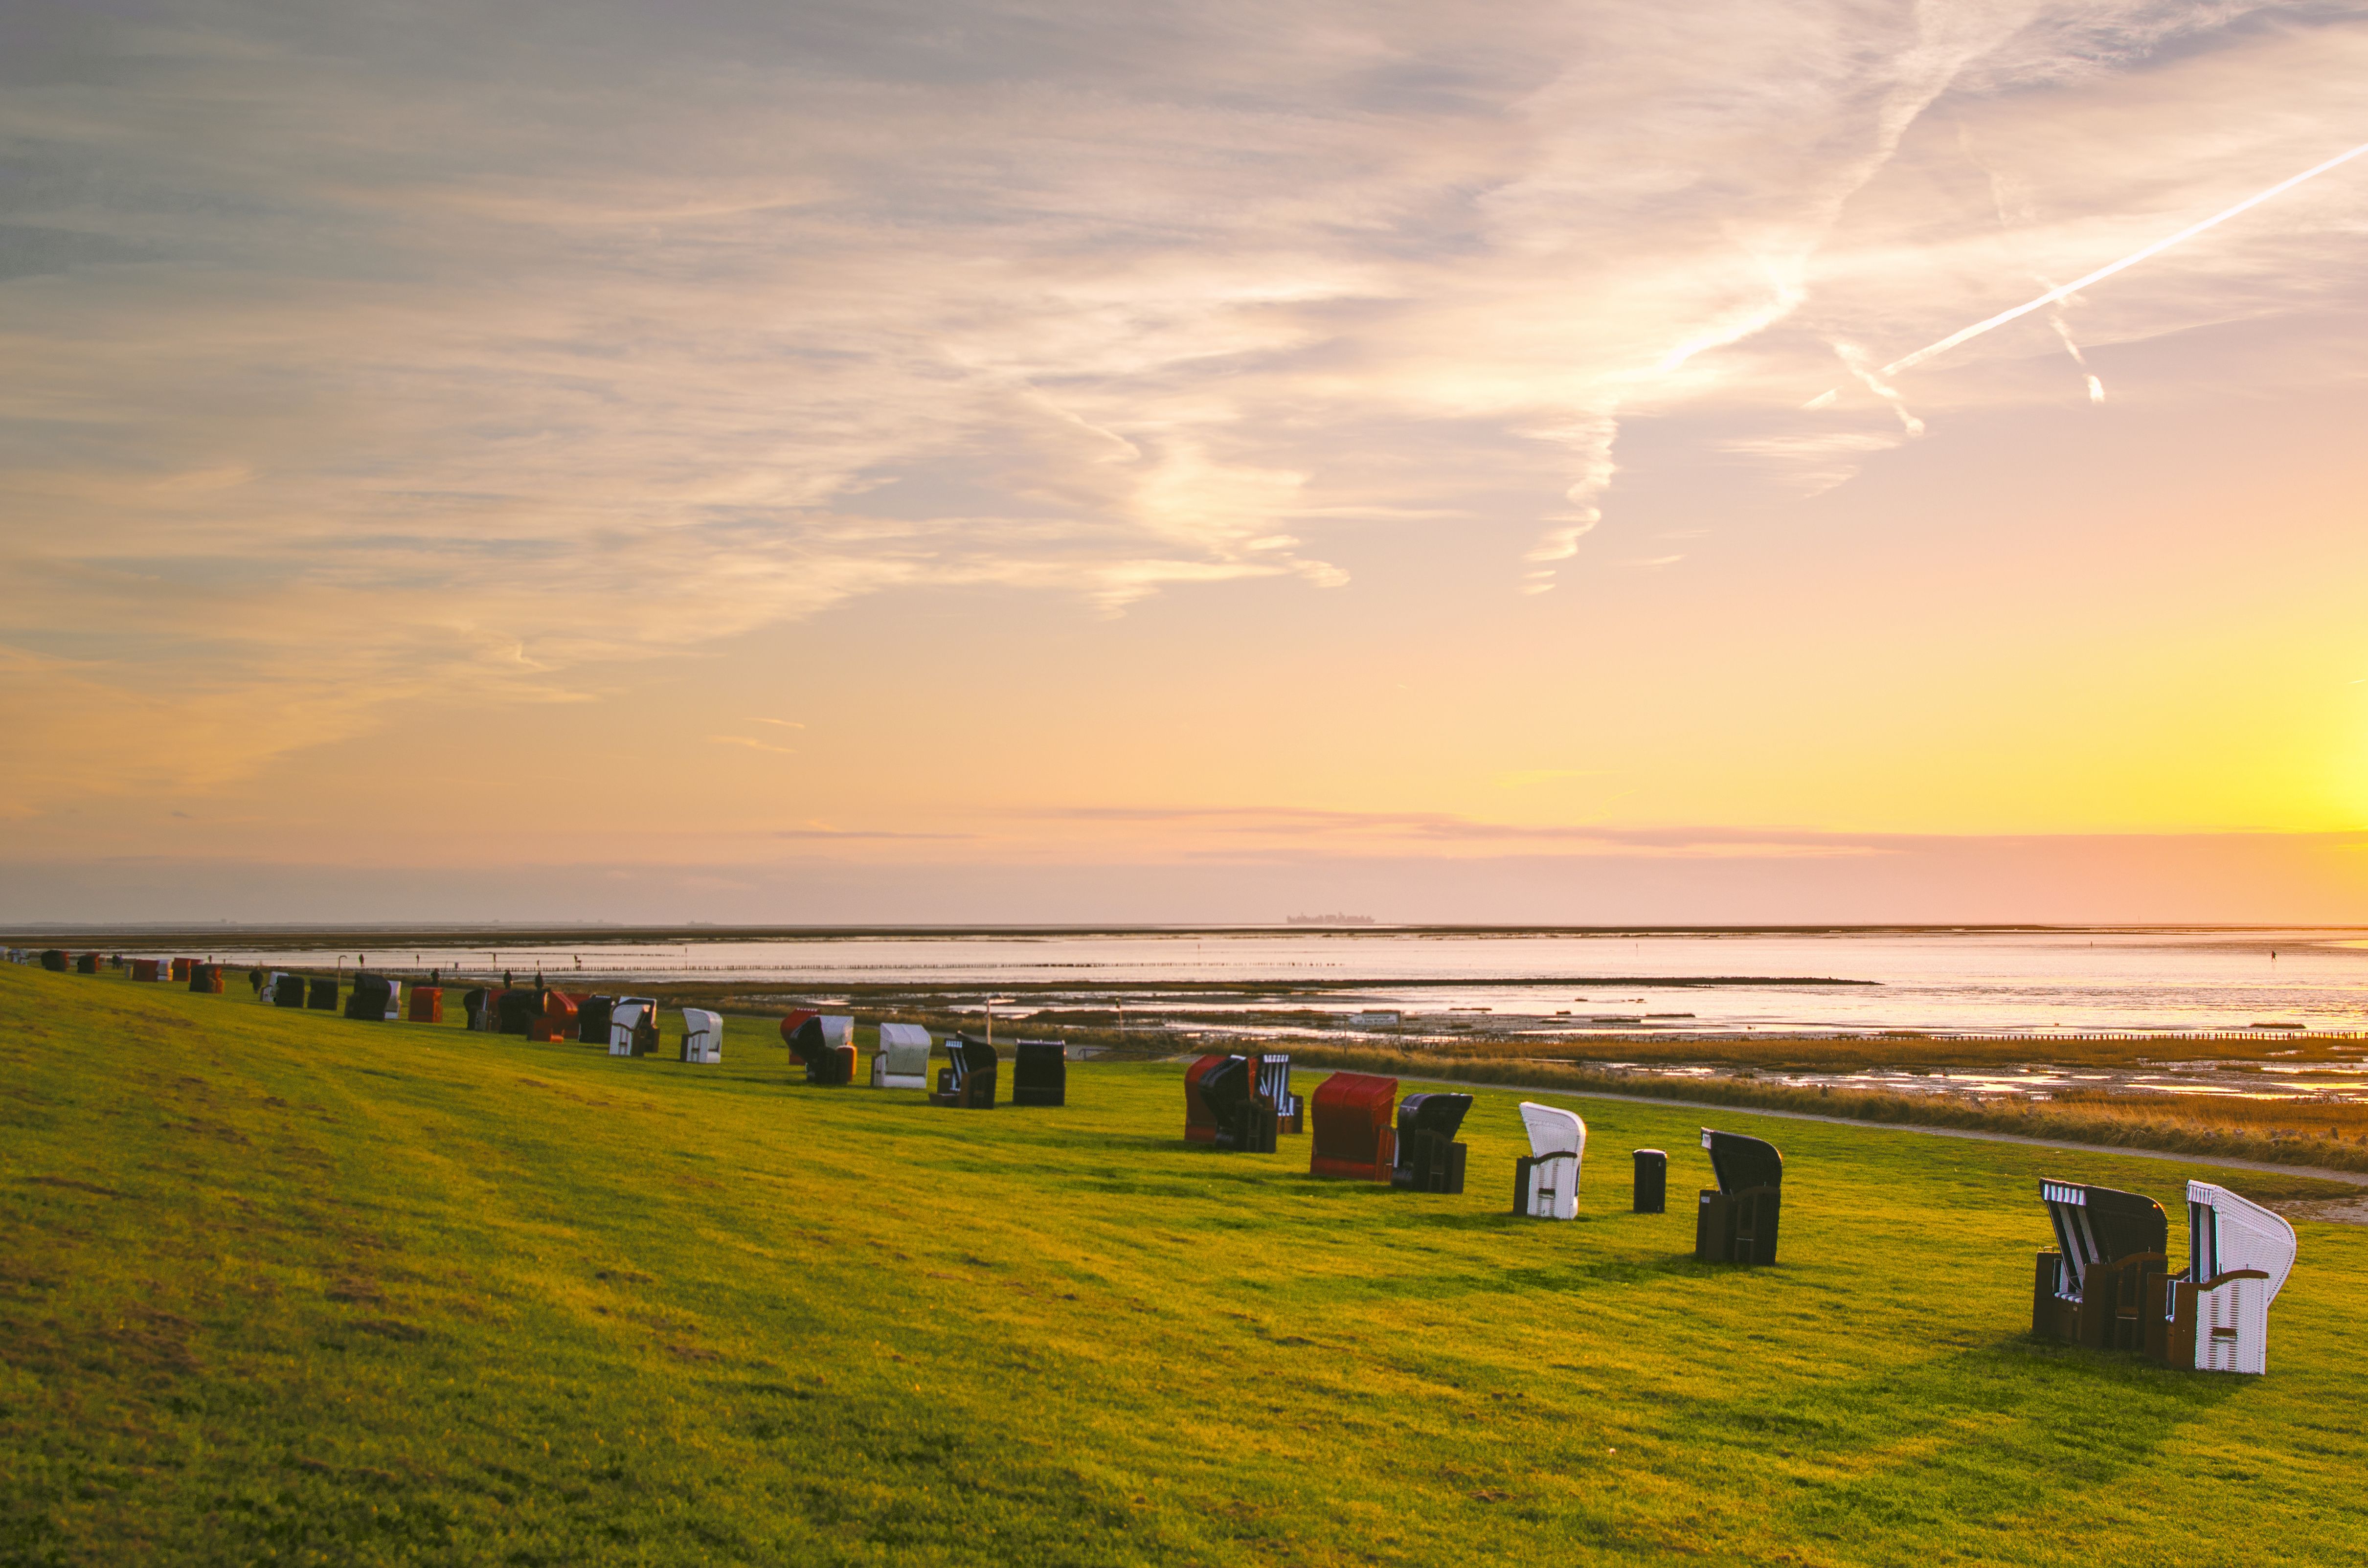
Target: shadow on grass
(1981,1441)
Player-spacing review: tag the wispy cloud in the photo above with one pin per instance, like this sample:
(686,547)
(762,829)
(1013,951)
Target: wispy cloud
(349,373)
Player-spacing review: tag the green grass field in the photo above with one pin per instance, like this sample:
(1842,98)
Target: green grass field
(280,1288)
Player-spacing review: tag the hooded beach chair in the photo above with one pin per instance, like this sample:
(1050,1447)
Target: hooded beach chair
(967,1081)
(702,1036)
(287,991)
(556,1019)
(1273,1070)
(1236,1104)
(1429,1157)
(2091,1288)
(1040,1073)
(901,1060)
(57,962)
(321,996)
(592,1019)
(148,969)
(374,998)
(1546,1180)
(86,963)
(2215,1316)
(514,1011)
(427,1004)
(826,1046)
(1735,1220)
(1200,1121)
(1353,1138)
(206,978)
(633,1025)
(267,991)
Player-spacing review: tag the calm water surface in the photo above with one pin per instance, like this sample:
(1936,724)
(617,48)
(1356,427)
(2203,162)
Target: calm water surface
(1972,982)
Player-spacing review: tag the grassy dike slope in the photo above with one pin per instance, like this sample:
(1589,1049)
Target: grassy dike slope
(281,1288)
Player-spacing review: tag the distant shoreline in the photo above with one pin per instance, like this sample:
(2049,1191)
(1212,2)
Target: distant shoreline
(271,935)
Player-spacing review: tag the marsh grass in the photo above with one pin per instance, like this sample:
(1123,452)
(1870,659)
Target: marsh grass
(276,1287)
(2292,1132)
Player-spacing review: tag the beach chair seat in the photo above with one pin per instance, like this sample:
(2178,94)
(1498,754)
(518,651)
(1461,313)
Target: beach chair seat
(825,1044)
(702,1036)
(286,991)
(1546,1180)
(57,960)
(967,1082)
(633,1025)
(1040,1073)
(427,1005)
(2214,1315)
(2093,1287)
(321,995)
(206,979)
(86,963)
(1429,1157)
(1735,1220)
(148,971)
(374,998)
(267,989)
(902,1058)
(1353,1139)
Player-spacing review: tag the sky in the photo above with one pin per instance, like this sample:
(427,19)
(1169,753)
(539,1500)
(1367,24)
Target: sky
(973,462)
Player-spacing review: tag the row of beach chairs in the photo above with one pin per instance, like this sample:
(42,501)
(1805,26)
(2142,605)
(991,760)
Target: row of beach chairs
(2106,1284)
(1363,1133)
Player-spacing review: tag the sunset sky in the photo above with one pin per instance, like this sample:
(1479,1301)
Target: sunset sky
(741,461)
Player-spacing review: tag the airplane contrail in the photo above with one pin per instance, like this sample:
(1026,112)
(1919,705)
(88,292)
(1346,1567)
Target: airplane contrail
(2053,295)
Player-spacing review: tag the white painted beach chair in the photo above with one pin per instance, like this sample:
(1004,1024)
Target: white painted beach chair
(1548,1178)
(269,993)
(702,1036)
(630,1016)
(902,1061)
(2239,1255)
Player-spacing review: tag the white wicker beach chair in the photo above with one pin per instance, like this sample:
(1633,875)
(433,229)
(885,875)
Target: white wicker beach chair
(1547,1180)
(702,1036)
(630,1018)
(2239,1256)
(902,1061)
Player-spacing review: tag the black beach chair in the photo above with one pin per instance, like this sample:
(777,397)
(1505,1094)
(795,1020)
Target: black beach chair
(321,996)
(2096,1285)
(1040,1073)
(969,1081)
(1735,1220)
(515,1011)
(1245,1120)
(371,999)
(592,1019)
(287,991)
(1430,1159)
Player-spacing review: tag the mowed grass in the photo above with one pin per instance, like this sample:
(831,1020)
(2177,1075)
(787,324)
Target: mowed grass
(276,1287)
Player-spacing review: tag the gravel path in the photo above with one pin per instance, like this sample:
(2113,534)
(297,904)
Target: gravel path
(2356,1178)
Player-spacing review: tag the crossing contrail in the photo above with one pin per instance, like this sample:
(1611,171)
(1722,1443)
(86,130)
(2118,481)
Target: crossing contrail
(2053,295)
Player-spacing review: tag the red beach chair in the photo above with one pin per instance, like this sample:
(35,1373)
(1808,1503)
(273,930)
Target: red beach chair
(1354,1138)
